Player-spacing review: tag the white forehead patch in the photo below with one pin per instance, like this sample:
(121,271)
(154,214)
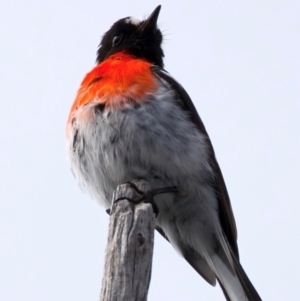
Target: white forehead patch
(133,21)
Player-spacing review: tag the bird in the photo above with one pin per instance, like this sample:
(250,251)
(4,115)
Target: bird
(132,120)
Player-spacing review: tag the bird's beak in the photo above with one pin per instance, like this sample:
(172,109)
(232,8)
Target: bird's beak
(150,23)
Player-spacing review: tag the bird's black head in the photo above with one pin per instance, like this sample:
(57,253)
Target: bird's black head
(141,38)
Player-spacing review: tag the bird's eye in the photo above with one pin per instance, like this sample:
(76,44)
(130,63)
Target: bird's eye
(116,40)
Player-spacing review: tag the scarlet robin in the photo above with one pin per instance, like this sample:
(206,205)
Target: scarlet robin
(132,120)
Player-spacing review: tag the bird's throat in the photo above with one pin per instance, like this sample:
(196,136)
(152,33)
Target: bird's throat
(121,78)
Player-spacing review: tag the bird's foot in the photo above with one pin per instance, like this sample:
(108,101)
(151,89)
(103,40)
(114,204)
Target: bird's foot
(147,197)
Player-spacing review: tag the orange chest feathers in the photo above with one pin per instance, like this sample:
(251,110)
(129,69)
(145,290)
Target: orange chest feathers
(119,79)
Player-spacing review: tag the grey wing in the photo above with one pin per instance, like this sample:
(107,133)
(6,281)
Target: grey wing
(195,260)
(225,211)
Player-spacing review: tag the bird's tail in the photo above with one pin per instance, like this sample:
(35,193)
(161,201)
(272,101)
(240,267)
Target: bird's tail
(231,276)
(221,263)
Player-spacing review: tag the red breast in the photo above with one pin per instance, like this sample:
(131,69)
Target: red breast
(119,79)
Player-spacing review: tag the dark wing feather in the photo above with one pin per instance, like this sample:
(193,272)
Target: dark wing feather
(162,233)
(225,210)
(195,260)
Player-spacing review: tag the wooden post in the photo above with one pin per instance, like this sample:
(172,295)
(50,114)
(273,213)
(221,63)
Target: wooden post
(128,255)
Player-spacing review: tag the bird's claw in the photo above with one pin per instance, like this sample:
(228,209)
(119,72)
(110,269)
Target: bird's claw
(147,197)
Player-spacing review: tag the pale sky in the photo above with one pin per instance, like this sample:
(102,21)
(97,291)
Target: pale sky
(238,60)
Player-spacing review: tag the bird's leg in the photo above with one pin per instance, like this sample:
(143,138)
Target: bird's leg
(147,197)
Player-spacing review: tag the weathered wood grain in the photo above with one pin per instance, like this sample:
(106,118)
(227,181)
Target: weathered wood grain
(129,250)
